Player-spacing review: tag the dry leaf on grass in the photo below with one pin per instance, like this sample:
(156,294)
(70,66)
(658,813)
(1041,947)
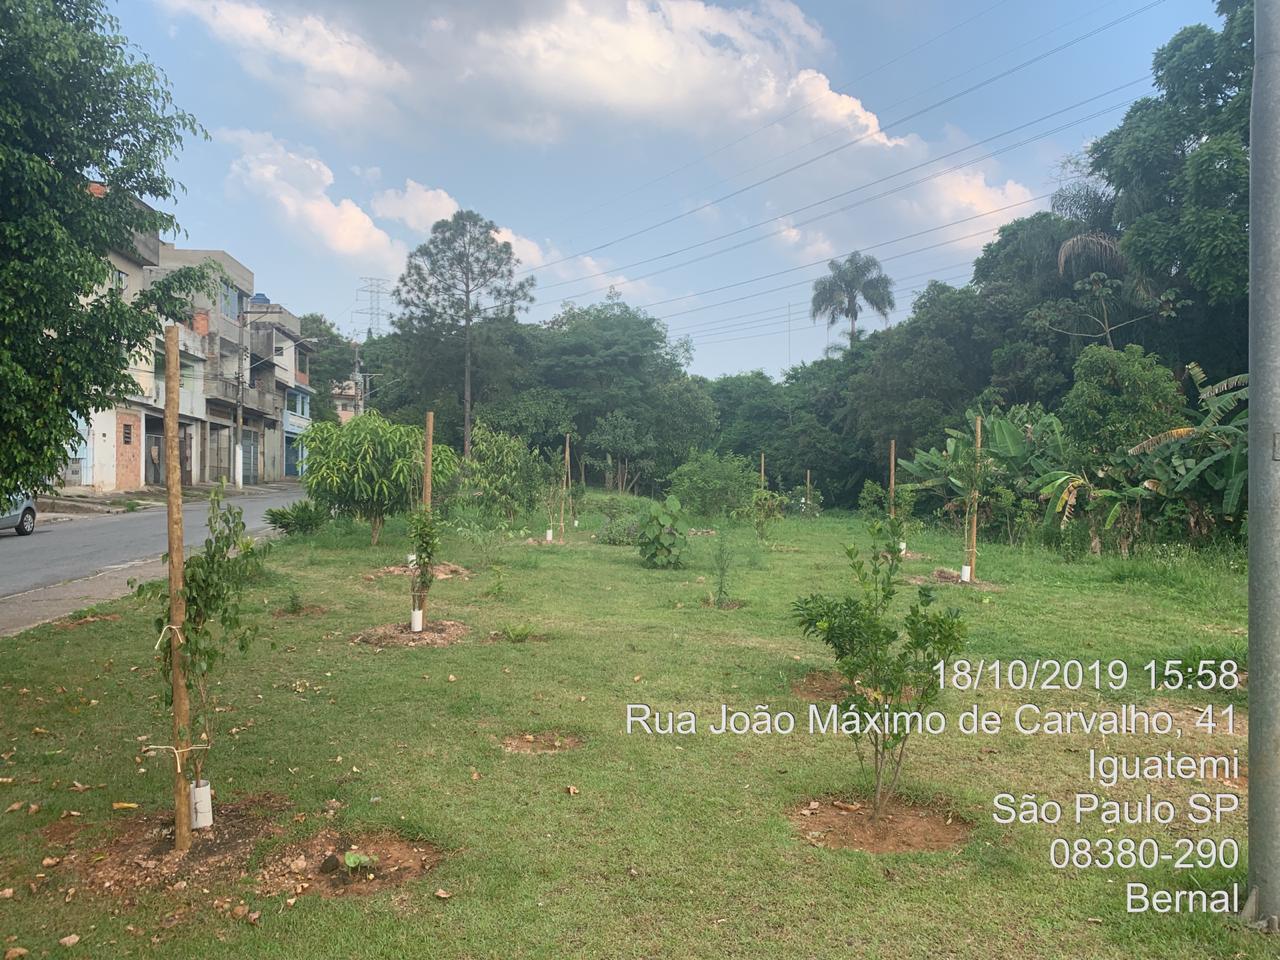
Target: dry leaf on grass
(442,893)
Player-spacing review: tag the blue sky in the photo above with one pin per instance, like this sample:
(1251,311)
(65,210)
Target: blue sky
(341,130)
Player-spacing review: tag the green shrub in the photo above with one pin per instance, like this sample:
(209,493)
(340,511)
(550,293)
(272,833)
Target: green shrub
(889,665)
(712,485)
(764,510)
(503,474)
(872,500)
(623,531)
(664,535)
(303,516)
(805,502)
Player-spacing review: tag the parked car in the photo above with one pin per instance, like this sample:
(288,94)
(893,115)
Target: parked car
(19,516)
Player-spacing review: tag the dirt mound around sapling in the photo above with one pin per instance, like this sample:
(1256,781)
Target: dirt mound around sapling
(319,865)
(945,575)
(435,633)
(546,742)
(822,686)
(903,827)
(439,571)
(138,852)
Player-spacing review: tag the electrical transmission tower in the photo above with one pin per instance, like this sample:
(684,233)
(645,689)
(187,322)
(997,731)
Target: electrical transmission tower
(369,300)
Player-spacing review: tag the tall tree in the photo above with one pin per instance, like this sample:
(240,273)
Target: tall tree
(461,274)
(853,282)
(331,364)
(86,127)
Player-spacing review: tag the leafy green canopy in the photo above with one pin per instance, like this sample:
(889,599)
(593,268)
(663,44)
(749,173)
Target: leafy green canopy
(370,468)
(78,106)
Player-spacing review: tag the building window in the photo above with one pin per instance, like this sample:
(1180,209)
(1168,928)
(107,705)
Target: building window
(279,350)
(126,433)
(121,282)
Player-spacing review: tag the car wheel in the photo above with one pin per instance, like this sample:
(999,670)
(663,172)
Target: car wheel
(27,523)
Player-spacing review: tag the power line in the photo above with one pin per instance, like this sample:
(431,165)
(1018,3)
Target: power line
(844,85)
(800,283)
(863,248)
(844,146)
(870,183)
(775,323)
(775,308)
(907,99)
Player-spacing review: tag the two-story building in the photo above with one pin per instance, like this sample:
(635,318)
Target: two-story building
(277,334)
(123,448)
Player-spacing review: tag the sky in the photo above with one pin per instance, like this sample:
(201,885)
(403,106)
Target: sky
(705,159)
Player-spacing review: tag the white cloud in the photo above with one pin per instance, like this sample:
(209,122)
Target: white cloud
(416,206)
(297,185)
(329,71)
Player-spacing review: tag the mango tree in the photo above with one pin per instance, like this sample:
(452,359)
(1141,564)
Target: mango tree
(369,468)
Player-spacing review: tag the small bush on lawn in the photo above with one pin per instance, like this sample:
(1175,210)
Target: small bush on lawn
(621,531)
(889,666)
(711,485)
(664,536)
(764,510)
(805,502)
(304,516)
(872,501)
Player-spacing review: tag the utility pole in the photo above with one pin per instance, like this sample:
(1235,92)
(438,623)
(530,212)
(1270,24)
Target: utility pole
(239,454)
(1263,903)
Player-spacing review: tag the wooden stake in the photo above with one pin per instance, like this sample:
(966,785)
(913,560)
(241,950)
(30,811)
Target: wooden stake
(564,494)
(426,462)
(419,599)
(808,491)
(761,469)
(973,501)
(177,602)
(893,465)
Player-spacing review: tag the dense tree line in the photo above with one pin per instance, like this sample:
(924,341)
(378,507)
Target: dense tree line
(1144,249)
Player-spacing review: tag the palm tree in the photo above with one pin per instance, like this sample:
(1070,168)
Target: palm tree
(854,282)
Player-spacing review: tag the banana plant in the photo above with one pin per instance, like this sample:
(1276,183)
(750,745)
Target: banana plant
(1206,466)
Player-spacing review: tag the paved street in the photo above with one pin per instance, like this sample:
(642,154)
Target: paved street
(88,545)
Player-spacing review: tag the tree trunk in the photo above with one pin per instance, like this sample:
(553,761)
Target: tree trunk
(466,388)
(376,524)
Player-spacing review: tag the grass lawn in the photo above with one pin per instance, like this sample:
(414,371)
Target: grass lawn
(672,846)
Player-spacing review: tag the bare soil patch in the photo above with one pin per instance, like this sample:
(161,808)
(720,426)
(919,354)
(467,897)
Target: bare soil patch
(546,742)
(435,633)
(318,865)
(139,855)
(727,605)
(90,618)
(837,824)
(945,575)
(821,686)
(440,571)
(905,555)
(309,610)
